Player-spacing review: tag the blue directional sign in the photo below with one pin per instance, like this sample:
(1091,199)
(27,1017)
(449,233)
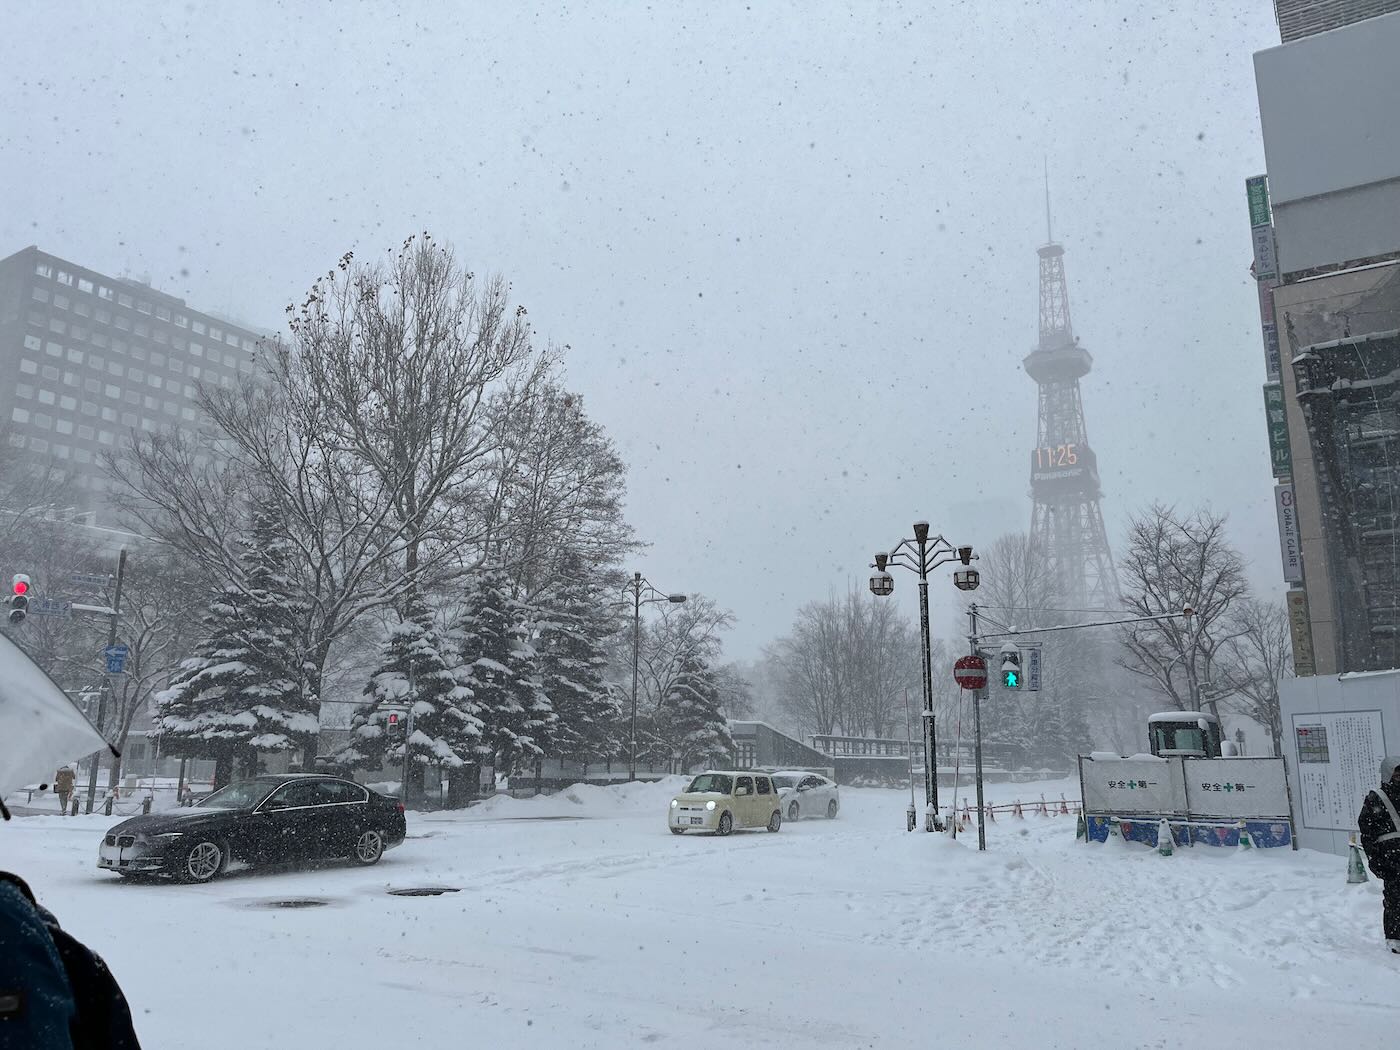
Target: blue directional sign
(116,658)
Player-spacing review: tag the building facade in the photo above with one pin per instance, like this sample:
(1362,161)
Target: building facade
(89,361)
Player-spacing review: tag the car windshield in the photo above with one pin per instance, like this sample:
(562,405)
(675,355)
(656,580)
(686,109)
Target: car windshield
(784,782)
(243,795)
(711,783)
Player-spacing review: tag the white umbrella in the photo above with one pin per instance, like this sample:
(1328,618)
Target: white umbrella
(40,728)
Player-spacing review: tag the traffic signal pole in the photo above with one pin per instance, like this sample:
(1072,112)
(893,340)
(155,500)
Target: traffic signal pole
(102,697)
(978,695)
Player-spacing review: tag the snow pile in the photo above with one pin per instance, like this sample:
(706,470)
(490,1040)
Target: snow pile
(584,800)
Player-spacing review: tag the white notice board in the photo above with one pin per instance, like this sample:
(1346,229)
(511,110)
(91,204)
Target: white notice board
(1339,760)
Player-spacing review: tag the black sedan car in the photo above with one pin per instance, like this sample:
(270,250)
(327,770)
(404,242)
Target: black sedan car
(288,819)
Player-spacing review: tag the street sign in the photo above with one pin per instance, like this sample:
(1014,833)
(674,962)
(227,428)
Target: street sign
(91,581)
(970,672)
(1288,541)
(1032,675)
(50,607)
(1257,190)
(1277,420)
(116,658)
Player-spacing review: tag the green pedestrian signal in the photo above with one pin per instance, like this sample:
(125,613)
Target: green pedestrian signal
(1011,679)
(1010,666)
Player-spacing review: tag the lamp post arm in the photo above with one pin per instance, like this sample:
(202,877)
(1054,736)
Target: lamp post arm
(977,639)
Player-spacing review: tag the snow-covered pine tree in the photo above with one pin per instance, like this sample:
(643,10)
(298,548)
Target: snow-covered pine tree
(693,714)
(242,691)
(421,671)
(573,624)
(503,670)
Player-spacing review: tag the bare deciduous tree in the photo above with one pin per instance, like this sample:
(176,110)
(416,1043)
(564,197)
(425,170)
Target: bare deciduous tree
(1173,562)
(1259,655)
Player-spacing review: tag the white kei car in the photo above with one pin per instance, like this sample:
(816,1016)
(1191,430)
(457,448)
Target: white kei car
(806,794)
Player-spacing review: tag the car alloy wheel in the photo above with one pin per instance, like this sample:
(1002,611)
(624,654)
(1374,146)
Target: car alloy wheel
(831,810)
(369,847)
(202,861)
(726,824)
(678,831)
(792,811)
(776,820)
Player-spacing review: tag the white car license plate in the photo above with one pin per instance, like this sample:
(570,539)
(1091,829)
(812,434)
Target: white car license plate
(697,820)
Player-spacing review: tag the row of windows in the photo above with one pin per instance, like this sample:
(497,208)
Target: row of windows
(134,377)
(44,396)
(81,333)
(162,313)
(59,425)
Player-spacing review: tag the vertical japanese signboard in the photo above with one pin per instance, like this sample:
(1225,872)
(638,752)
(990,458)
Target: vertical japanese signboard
(1338,756)
(1300,628)
(1265,269)
(1290,547)
(1277,421)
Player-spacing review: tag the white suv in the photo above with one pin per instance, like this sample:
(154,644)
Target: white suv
(807,794)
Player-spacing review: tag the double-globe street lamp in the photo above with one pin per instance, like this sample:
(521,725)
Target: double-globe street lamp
(921,555)
(636,589)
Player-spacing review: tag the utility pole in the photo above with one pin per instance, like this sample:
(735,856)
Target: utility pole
(102,698)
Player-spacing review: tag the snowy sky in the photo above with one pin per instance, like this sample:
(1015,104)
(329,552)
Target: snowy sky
(791,245)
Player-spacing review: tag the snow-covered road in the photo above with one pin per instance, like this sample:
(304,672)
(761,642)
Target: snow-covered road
(581,923)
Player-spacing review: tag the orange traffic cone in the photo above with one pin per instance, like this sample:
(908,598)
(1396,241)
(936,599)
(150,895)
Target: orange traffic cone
(1016,810)
(992,814)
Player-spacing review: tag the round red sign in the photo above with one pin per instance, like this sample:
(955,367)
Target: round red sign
(970,672)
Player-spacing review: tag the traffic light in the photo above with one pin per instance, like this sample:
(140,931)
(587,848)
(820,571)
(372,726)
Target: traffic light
(1010,667)
(393,721)
(19,599)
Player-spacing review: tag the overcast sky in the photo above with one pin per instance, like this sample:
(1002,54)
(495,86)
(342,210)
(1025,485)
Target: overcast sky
(791,245)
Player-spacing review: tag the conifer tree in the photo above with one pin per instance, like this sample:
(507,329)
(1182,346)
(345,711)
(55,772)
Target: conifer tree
(692,708)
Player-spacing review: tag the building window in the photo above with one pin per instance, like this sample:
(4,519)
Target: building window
(38,445)
(105,437)
(163,313)
(119,346)
(143,307)
(24,390)
(92,386)
(84,285)
(109,415)
(197,349)
(143,330)
(194,371)
(138,352)
(49,372)
(63,426)
(74,355)
(181,321)
(65,278)
(103,292)
(89,409)
(97,361)
(176,365)
(41,294)
(114,392)
(35,318)
(53,349)
(47,397)
(215,333)
(82,455)
(17,440)
(171,408)
(123,299)
(153,381)
(199,327)
(55,325)
(28,367)
(44,270)
(61,451)
(67,402)
(191,392)
(103,315)
(71,379)
(187,414)
(161,336)
(157,358)
(148,425)
(60,302)
(137,375)
(128,419)
(172,385)
(133,397)
(43,421)
(115,368)
(78,334)
(246,367)
(122,324)
(82,309)
(98,339)
(152,403)
(32,342)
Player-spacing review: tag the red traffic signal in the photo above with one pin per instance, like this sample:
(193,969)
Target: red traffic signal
(393,720)
(19,600)
(20,584)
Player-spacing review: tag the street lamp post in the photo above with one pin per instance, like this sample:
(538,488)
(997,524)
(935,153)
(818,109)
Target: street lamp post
(921,555)
(636,588)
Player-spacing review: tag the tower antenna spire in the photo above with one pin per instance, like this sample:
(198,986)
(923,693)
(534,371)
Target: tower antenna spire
(1049,235)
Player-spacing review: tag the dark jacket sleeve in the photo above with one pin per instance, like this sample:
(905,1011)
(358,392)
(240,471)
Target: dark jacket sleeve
(1374,821)
(37,1007)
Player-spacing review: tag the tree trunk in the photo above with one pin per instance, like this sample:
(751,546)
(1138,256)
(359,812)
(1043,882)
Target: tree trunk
(223,769)
(463,785)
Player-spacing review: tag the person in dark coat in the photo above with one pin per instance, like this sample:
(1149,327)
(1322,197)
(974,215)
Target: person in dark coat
(55,992)
(1379,824)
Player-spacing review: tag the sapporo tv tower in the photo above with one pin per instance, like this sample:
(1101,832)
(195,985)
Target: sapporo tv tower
(1067,529)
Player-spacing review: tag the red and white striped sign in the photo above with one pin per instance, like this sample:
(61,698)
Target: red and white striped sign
(970,672)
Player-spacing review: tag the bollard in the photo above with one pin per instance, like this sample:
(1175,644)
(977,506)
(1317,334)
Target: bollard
(74,809)
(1016,810)
(146,806)
(1166,845)
(1356,863)
(107,806)
(1246,840)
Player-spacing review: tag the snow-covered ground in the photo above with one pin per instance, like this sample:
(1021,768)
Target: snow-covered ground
(606,931)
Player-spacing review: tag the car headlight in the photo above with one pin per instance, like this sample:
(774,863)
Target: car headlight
(710,804)
(675,802)
(166,836)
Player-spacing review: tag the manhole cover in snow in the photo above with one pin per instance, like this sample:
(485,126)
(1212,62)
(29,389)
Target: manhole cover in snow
(424,891)
(292,902)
